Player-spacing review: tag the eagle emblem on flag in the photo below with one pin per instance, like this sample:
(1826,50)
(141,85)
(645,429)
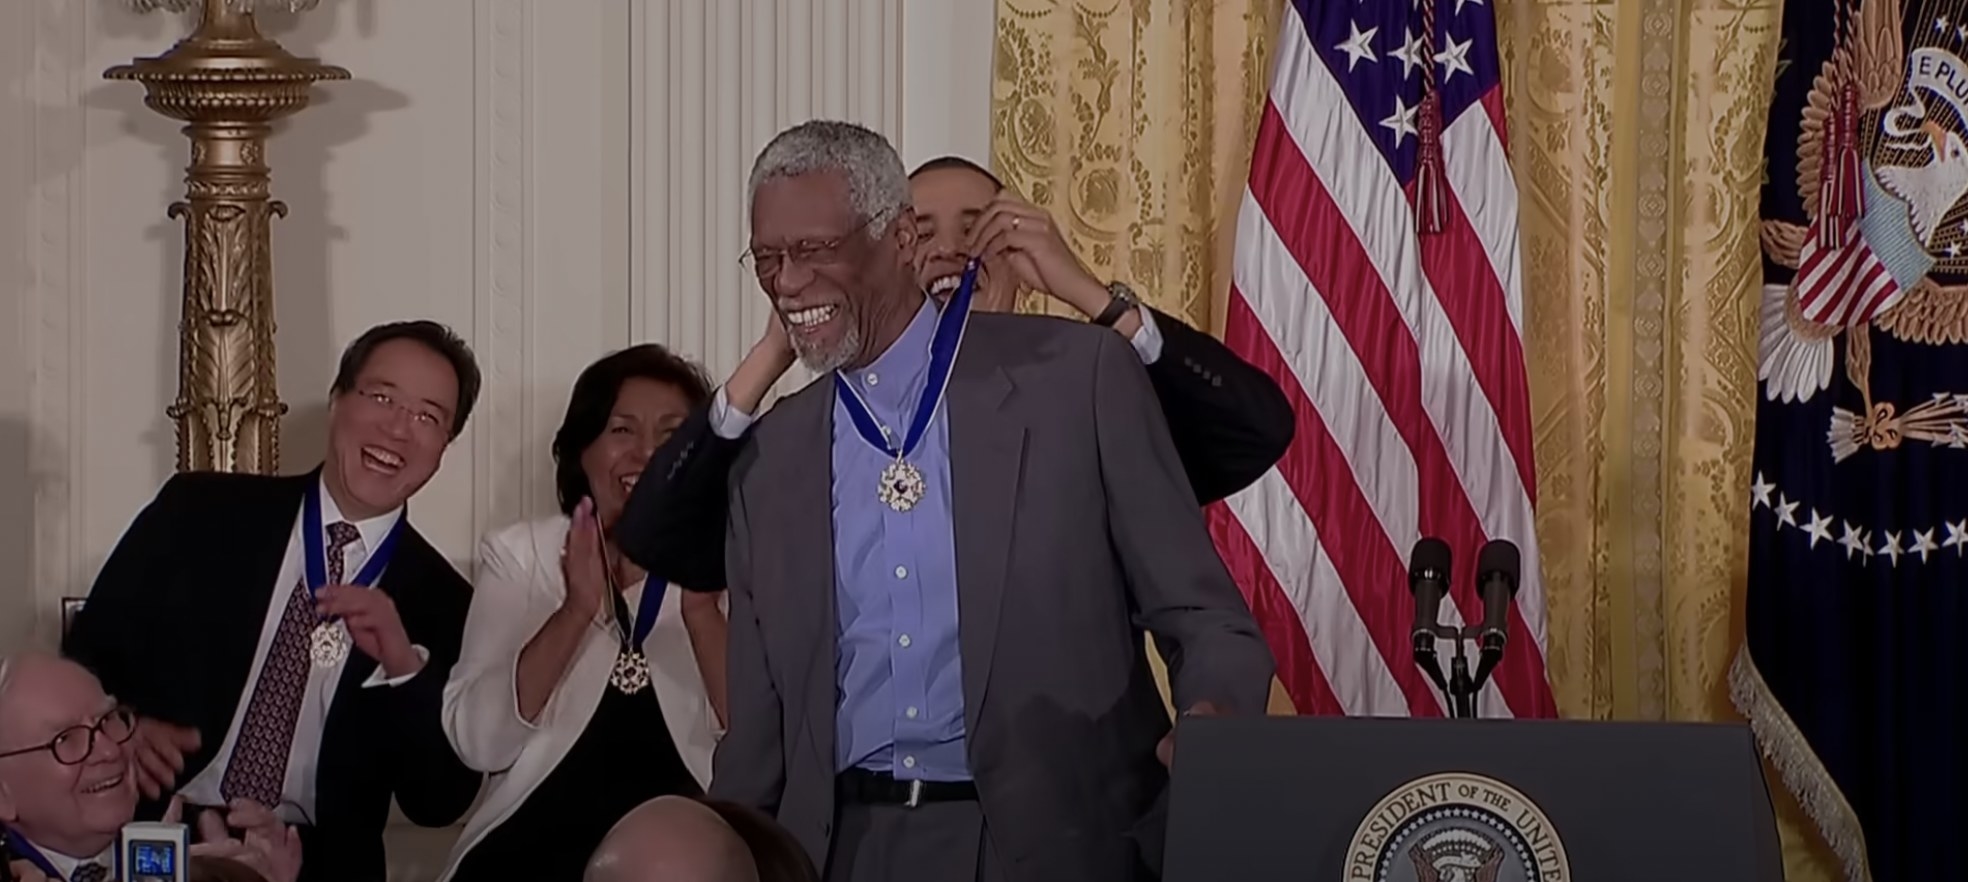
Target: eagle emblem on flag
(1882,171)
(1850,673)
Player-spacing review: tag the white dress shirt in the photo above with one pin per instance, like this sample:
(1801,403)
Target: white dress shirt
(298,792)
(730,423)
(65,866)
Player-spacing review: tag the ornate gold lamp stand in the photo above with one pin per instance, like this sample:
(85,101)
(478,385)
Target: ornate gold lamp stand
(228,83)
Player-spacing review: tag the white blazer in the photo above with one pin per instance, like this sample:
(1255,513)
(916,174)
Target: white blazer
(519,585)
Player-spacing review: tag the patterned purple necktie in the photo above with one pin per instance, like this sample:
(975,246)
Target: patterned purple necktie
(89,873)
(258,770)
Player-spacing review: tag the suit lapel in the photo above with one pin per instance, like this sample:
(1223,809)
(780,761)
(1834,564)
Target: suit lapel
(987,451)
(802,525)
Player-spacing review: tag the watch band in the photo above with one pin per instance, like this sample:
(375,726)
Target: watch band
(1124,300)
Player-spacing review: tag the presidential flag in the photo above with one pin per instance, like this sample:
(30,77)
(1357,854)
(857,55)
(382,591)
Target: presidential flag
(1854,673)
(1376,278)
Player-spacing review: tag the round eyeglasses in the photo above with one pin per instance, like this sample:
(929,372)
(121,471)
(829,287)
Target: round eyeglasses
(73,745)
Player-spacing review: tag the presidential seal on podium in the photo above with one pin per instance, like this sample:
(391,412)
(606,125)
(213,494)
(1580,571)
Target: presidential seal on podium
(1456,827)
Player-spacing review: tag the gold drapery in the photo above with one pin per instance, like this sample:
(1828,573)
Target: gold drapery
(1636,136)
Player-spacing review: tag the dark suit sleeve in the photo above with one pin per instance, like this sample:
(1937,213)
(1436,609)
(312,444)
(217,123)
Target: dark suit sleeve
(1229,421)
(749,767)
(1181,592)
(674,526)
(109,634)
(433,787)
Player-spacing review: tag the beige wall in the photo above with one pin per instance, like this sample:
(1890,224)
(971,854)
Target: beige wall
(552,179)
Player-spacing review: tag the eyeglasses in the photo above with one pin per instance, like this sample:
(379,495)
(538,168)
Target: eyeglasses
(73,745)
(767,262)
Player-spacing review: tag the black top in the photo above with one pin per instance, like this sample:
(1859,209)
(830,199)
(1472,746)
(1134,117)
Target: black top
(1229,420)
(624,758)
(202,559)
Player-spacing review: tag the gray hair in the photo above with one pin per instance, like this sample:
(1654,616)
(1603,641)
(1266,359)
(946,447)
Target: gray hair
(877,185)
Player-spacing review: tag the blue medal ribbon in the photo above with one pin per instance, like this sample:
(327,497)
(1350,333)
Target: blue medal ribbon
(653,590)
(315,551)
(950,324)
(23,850)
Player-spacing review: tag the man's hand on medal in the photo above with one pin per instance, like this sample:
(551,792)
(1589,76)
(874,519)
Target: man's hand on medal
(373,625)
(1014,233)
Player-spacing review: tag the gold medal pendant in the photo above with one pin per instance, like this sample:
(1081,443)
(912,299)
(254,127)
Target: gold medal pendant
(329,644)
(631,673)
(901,486)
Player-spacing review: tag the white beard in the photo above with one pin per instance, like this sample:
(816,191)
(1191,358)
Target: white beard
(823,361)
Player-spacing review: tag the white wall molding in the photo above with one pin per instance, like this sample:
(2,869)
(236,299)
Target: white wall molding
(552,180)
(499,439)
(54,343)
(716,81)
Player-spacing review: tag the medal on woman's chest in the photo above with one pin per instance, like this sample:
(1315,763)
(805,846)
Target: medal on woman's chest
(630,674)
(902,486)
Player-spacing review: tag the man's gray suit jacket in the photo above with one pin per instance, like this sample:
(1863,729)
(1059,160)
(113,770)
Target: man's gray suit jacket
(1075,531)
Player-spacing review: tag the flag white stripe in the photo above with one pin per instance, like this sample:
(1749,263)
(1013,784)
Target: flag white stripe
(1294,315)
(1478,170)
(1285,536)
(1368,195)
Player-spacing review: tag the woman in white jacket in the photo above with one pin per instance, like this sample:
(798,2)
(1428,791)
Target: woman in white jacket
(583,687)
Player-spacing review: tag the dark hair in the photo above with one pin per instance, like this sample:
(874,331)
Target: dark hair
(593,399)
(941,163)
(780,857)
(435,337)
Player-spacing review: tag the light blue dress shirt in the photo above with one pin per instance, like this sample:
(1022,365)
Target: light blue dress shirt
(895,583)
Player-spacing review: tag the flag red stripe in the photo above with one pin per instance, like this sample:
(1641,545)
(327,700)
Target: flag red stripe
(1349,531)
(1466,285)
(1298,668)
(1324,244)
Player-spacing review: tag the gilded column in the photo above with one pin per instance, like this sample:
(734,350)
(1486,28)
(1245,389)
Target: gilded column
(228,83)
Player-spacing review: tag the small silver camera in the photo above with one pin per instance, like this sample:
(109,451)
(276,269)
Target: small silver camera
(152,852)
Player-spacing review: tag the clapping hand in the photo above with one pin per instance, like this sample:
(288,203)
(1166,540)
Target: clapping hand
(583,565)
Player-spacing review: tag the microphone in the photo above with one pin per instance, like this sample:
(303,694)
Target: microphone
(1497,567)
(1428,580)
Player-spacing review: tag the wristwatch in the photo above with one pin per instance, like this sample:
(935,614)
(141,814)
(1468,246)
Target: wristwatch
(1124,300)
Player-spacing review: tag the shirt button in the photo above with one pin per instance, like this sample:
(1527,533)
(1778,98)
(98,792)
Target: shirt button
(911,712)
(873,379)
(908,762)
(901,572)
(904,640)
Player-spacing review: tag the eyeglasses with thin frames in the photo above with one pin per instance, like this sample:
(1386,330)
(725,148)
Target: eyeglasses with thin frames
(767,262)
(74,745)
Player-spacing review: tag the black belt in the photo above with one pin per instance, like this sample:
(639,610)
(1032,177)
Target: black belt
(863,786)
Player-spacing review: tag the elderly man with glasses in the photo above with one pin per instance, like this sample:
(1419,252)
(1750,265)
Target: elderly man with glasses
(67,788)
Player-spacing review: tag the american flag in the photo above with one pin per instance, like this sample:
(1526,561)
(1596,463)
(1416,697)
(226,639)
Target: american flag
(1390,310)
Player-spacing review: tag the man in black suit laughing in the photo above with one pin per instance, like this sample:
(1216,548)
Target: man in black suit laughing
(285,640)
